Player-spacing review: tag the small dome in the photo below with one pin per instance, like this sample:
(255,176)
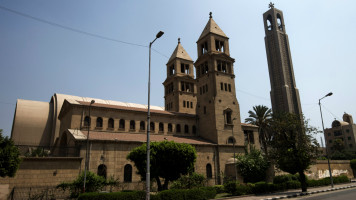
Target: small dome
(337,123)
(231,160)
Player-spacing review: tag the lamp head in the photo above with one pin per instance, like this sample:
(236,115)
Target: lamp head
(92,101)
(159,34)
(329,94)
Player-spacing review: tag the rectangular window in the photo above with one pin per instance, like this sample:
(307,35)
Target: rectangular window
(204,109)
(349,138)
(206,88)
(221,86)
(203,89)
(347,130)
(337,133)
(191,104)
(225,87)
(187,104)
(182,68)
(229,87)
(350,145)
(330,141)
(184,104)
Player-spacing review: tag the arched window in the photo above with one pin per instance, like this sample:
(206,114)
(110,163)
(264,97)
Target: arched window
(152,126)
(160,127)
(142,125)
(87,121)
(102,170)
(169,127)
(269,23)
(99,122)
(231,140)
(132,125)
(111,123)
(228,115)
(122,124)
(128,173)
(194,130)
(279,22)
(209,173)
(178,128)
(186,129)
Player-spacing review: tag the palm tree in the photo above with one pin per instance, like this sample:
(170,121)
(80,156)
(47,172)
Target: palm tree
(260,116)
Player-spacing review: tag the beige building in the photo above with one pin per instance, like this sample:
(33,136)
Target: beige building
(341,130)
(200,109)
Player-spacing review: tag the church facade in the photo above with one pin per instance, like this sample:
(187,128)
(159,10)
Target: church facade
(201,109)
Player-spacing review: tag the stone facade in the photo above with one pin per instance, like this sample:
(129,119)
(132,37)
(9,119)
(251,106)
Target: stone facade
(284,92)
(344,131)
(200,109)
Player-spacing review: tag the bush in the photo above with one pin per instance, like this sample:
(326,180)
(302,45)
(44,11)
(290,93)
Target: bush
(341,179)
(284,178)
(93,183)
(189,182)
(293,184)
(132,195)
(252,166)
(187,194)
(353,164)
(231,187)
(219,189)
(262,187)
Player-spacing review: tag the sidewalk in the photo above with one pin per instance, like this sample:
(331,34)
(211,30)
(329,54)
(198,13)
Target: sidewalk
(292,193)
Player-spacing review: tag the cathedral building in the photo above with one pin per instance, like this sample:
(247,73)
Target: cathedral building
(201,109)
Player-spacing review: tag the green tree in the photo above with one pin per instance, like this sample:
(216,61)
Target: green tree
(169,160)
(293,147)
(261,116)
(9,157)
(252,166)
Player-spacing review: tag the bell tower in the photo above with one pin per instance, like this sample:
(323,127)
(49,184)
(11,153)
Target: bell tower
(180,88)
(284,92)
(217,107)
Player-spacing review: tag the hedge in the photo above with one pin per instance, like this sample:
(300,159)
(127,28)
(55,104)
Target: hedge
(174,194)
(283,182)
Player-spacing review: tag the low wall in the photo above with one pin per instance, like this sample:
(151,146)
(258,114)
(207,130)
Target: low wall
(321,169)
(42,172)
(317,171)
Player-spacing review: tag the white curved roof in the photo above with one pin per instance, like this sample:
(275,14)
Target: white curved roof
(108,102)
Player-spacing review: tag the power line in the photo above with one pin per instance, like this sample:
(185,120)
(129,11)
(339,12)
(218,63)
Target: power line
(76,30)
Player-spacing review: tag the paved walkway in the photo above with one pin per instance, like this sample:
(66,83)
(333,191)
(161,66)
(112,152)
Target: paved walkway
(292,193)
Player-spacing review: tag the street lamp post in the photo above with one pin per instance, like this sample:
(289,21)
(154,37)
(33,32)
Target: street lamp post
(159,34)
(327,152)
(86,167)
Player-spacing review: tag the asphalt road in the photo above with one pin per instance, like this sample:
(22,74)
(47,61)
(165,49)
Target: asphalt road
(335,195)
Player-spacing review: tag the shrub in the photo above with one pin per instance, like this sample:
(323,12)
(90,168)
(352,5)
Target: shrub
(231,187)
(219,189)
(341,179)
(293,184)
(193,180)
(261,187)
(353,164)
(93,183)
(132,195)
(252,166)
(284,178)
(187,194)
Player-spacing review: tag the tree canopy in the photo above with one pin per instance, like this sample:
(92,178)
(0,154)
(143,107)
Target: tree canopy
(9,157)
(293,147)
(261,116)
(169,160)
(252,166)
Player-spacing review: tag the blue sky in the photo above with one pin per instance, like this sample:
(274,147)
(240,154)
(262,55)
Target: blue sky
(38,59)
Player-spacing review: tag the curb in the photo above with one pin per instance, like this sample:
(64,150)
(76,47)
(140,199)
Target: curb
(309,193)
